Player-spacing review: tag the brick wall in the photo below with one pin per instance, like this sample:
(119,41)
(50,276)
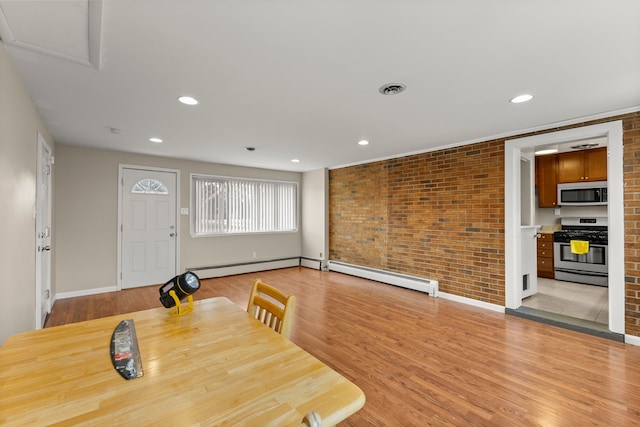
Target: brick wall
(440,215)
(437,215)
(631,141)
(358,218)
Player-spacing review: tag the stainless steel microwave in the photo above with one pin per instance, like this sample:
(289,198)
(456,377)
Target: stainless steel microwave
(583,194)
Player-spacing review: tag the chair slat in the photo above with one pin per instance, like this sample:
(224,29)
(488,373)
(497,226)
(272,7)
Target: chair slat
(268,311)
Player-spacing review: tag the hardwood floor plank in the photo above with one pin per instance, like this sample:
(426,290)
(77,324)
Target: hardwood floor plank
(429,361)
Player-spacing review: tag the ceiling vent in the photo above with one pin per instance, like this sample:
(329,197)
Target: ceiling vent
(392,88)
(584,146)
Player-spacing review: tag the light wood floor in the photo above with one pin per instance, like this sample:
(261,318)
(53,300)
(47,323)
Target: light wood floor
(429,361)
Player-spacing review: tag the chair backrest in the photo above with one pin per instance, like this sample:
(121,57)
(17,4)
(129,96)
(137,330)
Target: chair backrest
(311,419)
(276,311)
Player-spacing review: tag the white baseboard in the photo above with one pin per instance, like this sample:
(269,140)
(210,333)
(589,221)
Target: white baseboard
(85,292)
(311,263)
(203,274)
(632,339)
(52,301)
(417,284)
(474,302)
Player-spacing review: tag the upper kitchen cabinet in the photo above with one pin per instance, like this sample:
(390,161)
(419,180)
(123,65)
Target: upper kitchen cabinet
(546,180)
(583,166)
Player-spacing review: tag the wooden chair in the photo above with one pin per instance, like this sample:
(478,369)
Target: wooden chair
(311,419)
(272,307)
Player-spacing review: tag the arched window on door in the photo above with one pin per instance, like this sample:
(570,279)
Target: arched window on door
(149,186)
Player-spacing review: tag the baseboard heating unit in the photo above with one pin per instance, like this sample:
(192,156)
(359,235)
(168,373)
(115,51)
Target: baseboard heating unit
(207,272)
(423,285)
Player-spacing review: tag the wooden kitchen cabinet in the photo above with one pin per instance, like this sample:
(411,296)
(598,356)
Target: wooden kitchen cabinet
(583,166)
(547,180)
(545,256)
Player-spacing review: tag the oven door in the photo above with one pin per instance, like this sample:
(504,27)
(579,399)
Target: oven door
(594,261)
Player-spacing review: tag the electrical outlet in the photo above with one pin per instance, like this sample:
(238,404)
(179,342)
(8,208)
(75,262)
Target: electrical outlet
(253,255)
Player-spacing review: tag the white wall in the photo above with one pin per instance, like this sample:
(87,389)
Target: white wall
(19,127)
(547,216)
(86,208)
(315,230)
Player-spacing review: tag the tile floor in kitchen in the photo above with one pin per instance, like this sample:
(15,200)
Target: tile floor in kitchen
(577,300)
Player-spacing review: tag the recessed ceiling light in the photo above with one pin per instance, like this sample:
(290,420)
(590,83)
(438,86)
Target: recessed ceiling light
(187,100)
(521,98)
(392,88)
(295,160)
(156,140)
(546,151)
(363,142)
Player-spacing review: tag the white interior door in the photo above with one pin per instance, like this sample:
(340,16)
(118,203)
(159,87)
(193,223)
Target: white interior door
(148,253)
(43,232)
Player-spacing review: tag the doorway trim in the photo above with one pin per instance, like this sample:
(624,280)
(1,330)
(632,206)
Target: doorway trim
(44,163)
(613,131)
(121,168)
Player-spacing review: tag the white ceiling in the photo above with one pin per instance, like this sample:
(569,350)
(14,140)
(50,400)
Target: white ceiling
(300,78)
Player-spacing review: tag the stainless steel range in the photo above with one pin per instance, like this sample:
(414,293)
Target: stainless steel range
(592,267)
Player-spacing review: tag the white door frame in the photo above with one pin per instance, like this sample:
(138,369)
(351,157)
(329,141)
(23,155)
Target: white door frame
(43,230)
(530,159)
(121,169)
(613,132)
(528,231)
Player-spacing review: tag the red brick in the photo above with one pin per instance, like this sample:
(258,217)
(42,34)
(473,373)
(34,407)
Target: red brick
(440,215)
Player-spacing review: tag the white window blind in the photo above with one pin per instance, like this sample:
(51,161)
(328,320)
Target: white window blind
(222,205)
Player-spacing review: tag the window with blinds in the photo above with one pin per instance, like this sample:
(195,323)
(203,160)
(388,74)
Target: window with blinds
(223,205)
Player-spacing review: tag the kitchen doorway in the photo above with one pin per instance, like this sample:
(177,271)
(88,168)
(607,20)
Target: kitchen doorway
(513,236)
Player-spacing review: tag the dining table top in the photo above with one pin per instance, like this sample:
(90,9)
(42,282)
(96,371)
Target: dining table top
(215,365)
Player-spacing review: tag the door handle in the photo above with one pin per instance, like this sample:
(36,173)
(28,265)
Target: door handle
(172,235)
(44,248)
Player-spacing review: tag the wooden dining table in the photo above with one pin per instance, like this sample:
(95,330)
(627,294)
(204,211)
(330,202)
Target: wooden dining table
(213,366)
